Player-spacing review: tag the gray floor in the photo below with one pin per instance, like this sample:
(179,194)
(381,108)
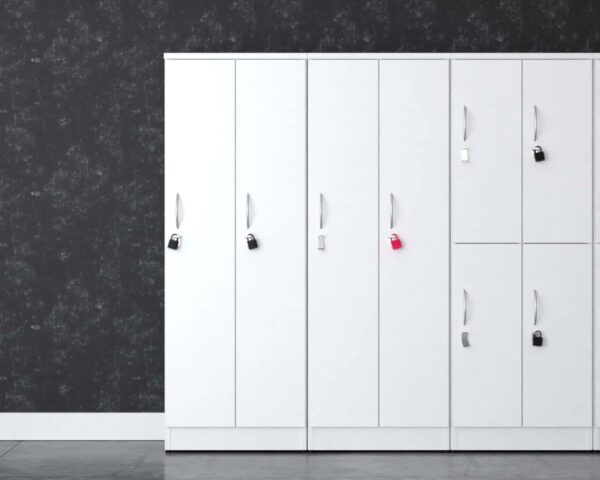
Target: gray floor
(146,460)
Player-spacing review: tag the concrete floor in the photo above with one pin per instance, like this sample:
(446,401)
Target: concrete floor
(147,460)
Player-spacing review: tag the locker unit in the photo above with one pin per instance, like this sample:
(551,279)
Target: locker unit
(271,280)
(413,280)
(237,375)
(199,174)
(557,301)
(342,221)
(486,339)
(381,252)
(557,115)
(486,153)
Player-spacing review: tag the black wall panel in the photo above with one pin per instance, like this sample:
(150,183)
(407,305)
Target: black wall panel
(81,160)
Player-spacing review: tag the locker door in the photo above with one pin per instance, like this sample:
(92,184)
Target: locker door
(414,181)
(557,192)
(486,376)
(486,124)
(342,297)
(557,377)
(199,277)
(271,280)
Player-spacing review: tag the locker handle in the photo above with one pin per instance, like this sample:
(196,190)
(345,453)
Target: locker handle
(320,211)
(247,211)
(464,307)
(177,216)
(535,123)
(391,211)
(535,307)
(464,123)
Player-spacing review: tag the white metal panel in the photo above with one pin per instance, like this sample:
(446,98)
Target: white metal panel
(596,152)
(557,377)
(519,439)
(414,283)
(486,376)
(557,192)
(365,438)
(342,297)
(271,280)
(252,439)
(199,277)
(486,190)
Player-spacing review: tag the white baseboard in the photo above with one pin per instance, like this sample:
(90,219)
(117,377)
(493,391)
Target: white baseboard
(207,439)
(522,438)
(81,426)
(385,438)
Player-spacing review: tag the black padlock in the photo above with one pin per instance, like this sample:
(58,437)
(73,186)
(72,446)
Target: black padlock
(538,154)
(537,338)
(174,242)
(252,243)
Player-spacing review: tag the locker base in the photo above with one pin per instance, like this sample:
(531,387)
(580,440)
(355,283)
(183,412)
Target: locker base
(178,439)
(547,438)
(383,438)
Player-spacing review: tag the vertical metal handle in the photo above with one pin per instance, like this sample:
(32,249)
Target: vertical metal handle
(391,211)
(535,307)
(464,307)
(320,211)
(464,123)
(535,123)
(247,211)
(177,217)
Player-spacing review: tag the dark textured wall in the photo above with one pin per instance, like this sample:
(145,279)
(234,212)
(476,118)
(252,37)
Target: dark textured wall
(81,161)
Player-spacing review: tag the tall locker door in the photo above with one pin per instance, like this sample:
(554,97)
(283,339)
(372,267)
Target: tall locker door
(486,307)
(557,116)
(557,301)
(486,151)
(199,276)
(414,283)
(271,279)
(342,242)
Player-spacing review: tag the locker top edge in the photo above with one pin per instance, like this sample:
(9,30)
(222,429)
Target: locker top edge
(379,56)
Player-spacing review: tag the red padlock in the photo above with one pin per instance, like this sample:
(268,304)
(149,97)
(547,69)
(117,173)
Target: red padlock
(395,242)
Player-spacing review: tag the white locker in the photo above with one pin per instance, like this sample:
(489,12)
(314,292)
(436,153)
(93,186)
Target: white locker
(486,305)
(557,116)
(271,280)
(199,286)
(486,151)
(557,300)
(414,280)
(325,337)
(343,275)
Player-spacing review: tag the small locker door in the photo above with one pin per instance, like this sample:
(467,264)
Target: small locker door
(486,151)
(557,116)
(486,306)
(557,301)
(271,279)
(199,276)
(414,296)
(342,242)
